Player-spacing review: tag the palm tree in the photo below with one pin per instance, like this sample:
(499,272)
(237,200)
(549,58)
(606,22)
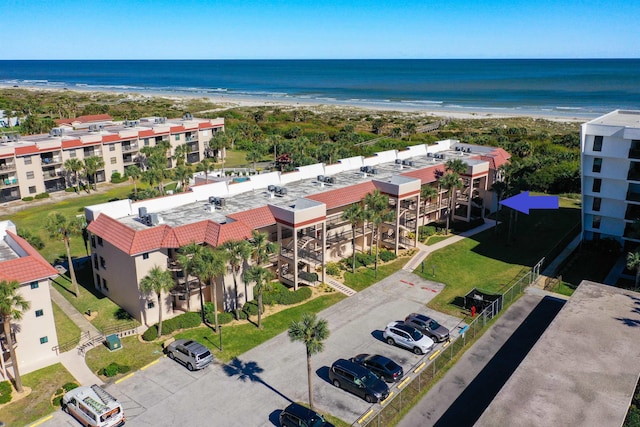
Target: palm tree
(158,281)
(63,228)
(183,173)
(456,166)
(427,193)
(377,206)
(134,173)
(409,128)
(220,142)
(92,165)
(74,166)
(238,252)
(206,166)
(353,214)
(262,278)
(451,181)
(262,247)
(633,263)
(312,332)
(12,305)
(500,188)
(186,259)
(209,264)
(180,154)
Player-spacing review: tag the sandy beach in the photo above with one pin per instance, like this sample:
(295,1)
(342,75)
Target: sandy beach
(225,102)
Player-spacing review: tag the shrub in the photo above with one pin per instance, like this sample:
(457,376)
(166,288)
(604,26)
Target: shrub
(251,308)
(57,401)
(425,231)
(151,333)
(362,260)
(70,190)
(27,199)
(69,386)
(223,318)
(117,178)
(308,276)
(386,256)
(122,314)
(333,269)
(282,295)
(113,369)
(5,392)
(42,196)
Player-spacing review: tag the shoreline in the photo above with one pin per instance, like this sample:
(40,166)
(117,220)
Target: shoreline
(249,101)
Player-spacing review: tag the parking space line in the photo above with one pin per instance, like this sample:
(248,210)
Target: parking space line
(422,365)
(446,344)
(388,397)
(435,353)
(404,381)
(40,421)
(365,416)
(149,364)
(124,378)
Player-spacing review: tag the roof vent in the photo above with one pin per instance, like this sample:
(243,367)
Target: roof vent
(55,132)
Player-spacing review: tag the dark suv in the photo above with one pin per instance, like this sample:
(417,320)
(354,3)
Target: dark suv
(296,415)
(358,380)
(428,326)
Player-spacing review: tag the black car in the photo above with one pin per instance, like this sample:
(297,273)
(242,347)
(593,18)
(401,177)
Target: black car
(382,366)
(358,380)
(296,415)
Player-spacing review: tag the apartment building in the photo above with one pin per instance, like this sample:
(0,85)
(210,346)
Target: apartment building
(34,164)
(34,336)
(610,157)
(300,210)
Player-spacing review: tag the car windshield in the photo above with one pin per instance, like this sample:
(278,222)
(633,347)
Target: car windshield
(390,365)
(416,335)
(434,325)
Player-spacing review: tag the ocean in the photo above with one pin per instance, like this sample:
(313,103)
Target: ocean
(576,87)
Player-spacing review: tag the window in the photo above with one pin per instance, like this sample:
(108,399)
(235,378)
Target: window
(178,137)
(146,142)
(32,189)
(27,160)
(98,280)
(597,184)
(597,143)
(100,240)
(30,175)
(113,160)
(93,241)
(44,340)
(39,313)
(72,154)
(597,201)
(112,147)
(103,264)
(145,256)
(104,284)
(596,221)
(35,285)
(597,165)
(150,305)
(95,262)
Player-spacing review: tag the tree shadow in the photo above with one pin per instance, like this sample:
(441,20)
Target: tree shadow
(249,372)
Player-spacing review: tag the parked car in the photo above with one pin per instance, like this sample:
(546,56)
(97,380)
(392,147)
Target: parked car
(358,380)
(382,366)
(296,415)
(190,353)
(428,326)
(93,405)
(398,333)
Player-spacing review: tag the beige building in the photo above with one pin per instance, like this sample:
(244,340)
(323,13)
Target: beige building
(34,336)
(300,210)
(34,164)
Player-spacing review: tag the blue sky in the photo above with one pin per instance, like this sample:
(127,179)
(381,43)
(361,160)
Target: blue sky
(279,29)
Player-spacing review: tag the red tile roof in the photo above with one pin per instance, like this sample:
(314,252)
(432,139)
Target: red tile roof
(85,119)
(426,175)
(30,268)
(255,218)
(343,196)
(497,158)
(116,233)
(112,138)
(145,133)
(28,149)
(231,231)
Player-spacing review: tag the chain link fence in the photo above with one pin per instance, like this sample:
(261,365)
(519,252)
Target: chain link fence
(403,395)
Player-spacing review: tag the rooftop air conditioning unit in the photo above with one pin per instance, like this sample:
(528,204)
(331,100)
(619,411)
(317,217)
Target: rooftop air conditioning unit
(154,219)
(399,162)
(142,212)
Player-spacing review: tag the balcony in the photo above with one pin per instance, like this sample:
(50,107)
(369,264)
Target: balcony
(191,138)
(633,212)
(8,166)
(51,160)
(9,182)
(129,147)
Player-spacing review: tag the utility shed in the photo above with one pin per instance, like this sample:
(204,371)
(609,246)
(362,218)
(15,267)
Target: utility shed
(582,371)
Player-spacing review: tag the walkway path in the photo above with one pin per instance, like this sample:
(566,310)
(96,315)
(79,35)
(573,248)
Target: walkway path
(73,360)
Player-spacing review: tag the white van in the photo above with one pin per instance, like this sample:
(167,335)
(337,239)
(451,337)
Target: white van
(93,407)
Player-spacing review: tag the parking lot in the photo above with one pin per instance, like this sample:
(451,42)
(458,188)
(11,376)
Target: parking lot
(251,390)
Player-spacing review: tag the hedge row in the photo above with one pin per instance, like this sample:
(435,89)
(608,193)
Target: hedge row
(183,321)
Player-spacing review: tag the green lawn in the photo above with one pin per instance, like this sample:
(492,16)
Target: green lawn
(432,240)
(65,328)
(488,262)
(134,353)
(240,338)
(43,384)
(366,276)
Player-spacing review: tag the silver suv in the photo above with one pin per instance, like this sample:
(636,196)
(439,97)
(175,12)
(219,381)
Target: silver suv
(428,326)
(190,353)
(408,337)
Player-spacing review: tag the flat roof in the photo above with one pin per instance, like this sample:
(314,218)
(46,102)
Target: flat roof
(582,371)
(627,118)
(198,211)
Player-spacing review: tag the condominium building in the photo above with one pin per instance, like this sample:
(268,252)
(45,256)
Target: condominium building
(34,335)
(610,156)
(302,211)
(34,164)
